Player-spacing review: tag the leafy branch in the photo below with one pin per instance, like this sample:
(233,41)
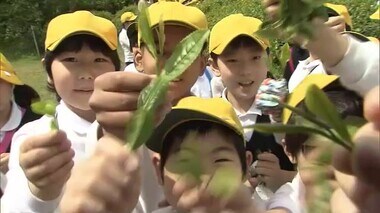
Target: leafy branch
(294,19)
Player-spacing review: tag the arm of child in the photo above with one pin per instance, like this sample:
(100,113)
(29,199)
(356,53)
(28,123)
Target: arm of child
(109,181)
(38,168)
(356,62)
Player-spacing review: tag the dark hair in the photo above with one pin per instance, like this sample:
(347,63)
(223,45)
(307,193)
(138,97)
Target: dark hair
(74,44)
(176,136)
(236,43)
(25,95)
(347,102)
(132,35)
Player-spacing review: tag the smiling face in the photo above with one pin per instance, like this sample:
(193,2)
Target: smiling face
(216,152)
(147,64)
(74,73)
(242,69)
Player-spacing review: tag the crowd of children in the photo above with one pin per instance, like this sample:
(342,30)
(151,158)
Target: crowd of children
(84,167)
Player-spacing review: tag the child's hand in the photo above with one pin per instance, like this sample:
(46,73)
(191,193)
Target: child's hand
(4,159)
(109,181)
(269,171)
(270,93)
(115,99)
(192,197)
(336,23)
(47,161)
(272,8)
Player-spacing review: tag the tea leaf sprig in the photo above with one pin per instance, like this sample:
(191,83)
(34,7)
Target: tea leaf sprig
(46,108)
(294,19)
(140,128)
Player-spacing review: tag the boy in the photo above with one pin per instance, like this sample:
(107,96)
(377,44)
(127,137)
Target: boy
(115,101)
(212,125)
(239,58)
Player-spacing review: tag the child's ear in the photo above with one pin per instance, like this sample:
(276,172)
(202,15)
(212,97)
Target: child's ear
(157,167)
(137,59)
(214,67)
(290,156)
(249,158)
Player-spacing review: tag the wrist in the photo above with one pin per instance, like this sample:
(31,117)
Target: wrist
(45,194)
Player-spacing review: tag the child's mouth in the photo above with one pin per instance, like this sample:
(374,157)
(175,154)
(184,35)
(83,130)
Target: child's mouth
(246,83)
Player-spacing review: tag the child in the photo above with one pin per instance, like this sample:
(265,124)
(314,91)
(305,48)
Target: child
(239,58)
(211,125)
(79,47)
(121,91)
(15,100)
(126,20)
(304,148)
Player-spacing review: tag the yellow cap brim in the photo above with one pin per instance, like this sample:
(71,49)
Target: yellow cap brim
(80,32)
(220,48)
(299,93)
(179,116)
(10,78)
(376,15)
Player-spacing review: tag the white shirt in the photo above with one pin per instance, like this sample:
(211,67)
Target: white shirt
(305,68)
(217,87)
(130,68)
(247,119)
(13,121)
(17,196)
(202,87)
(124,42)
(359,68)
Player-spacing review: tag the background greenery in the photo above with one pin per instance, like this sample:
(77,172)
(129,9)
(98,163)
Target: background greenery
(19,16)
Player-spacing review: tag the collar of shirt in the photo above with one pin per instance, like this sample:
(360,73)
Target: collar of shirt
(310,66)
(68,120)
(14,119)
(251,111)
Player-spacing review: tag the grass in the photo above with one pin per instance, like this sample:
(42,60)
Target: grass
(31,72)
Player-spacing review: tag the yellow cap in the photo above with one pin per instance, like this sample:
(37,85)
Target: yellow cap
(127,16)
(7,72)
(177,13)
(299,93)
(342,11)
(374,40)
(80,22)
(216,110)
(376,15)
(231,27)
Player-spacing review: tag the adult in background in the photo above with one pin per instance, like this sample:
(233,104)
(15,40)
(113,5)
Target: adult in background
(126,20)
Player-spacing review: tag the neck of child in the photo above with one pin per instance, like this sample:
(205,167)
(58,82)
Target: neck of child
(87,115)
(5,113)
(313,57)
(240,104)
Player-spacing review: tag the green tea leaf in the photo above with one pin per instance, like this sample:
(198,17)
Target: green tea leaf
(290,129)
(294,19)
(145,29)
(353,124)
(284,55)
(46,108)
(319,104)
(225,183)
(185,54)
(161,36)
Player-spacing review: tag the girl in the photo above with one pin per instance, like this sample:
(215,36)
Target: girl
(79,47)
(15,100)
